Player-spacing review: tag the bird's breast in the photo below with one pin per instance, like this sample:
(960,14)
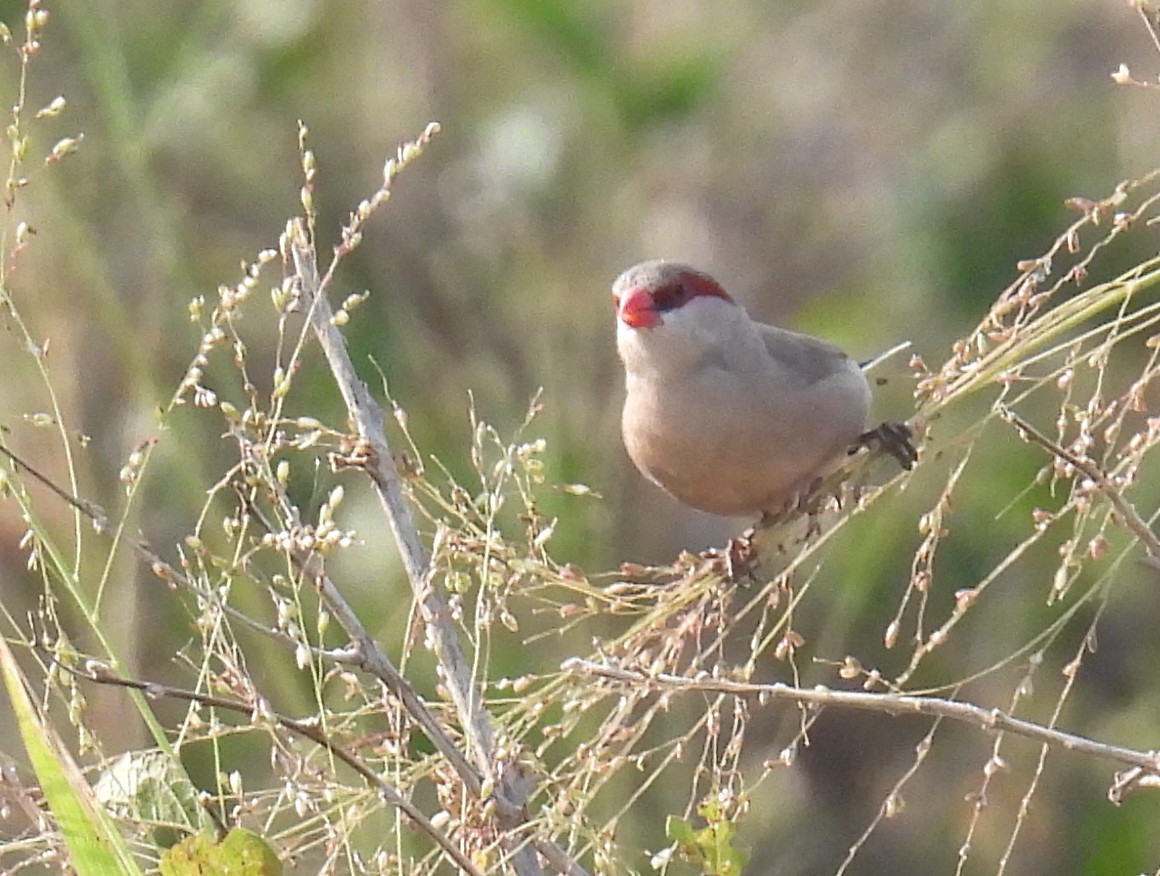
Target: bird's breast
(738,444)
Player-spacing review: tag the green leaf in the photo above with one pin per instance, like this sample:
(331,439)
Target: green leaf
(710,847)
(149,786)
(95,848)
(241,853)
(680,831)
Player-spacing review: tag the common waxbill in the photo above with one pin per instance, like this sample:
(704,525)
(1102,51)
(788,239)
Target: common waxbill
(728,415)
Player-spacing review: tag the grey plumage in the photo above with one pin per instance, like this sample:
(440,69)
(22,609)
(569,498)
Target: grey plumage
(728,415)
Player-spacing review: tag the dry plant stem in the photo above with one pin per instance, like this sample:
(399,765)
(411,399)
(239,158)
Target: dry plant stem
(367,416)
(365,655)
(99,519)
(893,704)
(308,729)
(920,752)
(369,657)
(1070,673)
(1127,511)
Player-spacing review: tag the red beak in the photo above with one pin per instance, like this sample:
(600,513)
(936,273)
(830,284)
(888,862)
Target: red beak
(636,309)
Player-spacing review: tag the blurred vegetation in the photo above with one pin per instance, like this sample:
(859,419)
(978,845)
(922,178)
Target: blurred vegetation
(868,172)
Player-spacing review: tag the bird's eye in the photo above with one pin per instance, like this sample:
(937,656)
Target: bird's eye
(670,296)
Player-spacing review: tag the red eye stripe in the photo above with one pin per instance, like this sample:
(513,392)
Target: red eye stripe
(670,295)
(687,286)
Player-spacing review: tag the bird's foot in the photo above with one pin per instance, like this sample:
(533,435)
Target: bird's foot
(739,558)
(894,439)
(742,556)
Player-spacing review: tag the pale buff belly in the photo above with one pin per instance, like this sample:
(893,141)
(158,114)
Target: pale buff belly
(702,457)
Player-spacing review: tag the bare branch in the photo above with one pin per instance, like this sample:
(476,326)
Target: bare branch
(369,657)
(308,729)
(365,655)
(455,669)
(1127,511)
(991,720)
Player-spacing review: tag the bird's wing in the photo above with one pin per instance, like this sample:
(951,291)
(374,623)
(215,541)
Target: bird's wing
(813,359)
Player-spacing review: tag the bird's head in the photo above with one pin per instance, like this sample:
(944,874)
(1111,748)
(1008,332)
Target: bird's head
(646,293)
(671,317)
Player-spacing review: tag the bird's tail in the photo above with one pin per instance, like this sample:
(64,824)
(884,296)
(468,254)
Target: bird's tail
(870,364)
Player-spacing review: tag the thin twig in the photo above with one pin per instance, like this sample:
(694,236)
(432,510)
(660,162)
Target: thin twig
(95,513)
(1127,511)
(364,654)
(990,720)
(455,670)
(309,729)
(921,750)
(369,657)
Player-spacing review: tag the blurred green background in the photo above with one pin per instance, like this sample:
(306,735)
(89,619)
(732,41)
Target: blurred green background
(866,171)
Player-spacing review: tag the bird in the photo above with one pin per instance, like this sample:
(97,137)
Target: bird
(726,414)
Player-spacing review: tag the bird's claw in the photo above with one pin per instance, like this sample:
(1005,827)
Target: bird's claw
(738,559)
(741,556)
(894,439)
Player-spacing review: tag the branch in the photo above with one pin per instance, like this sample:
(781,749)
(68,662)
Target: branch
(365,654)
(455,670)
(1127,511)
(309,729)
(991,720)
(93,512)
(367,416)
(368,656)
